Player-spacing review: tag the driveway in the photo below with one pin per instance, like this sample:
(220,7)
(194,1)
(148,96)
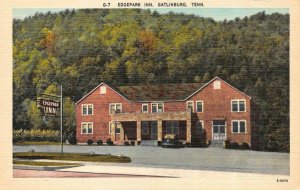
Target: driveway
(212,158)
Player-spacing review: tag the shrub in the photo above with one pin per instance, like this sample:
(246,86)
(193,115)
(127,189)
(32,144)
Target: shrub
(244,146)
(159,143)
(126,143)
(187,144)
(227,144)
(36,135)
(235,145)
(72,140)
(90,142)
(109,142)
(99,142)
(132,143)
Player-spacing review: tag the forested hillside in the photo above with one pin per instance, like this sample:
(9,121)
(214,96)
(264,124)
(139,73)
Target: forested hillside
(81,48)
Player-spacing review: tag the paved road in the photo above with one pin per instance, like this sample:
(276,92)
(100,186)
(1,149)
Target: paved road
(213,158)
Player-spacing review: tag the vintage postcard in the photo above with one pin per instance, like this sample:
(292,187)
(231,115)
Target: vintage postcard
(150,95)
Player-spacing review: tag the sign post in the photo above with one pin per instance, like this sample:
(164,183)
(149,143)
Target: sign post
(61,121)
(50,108)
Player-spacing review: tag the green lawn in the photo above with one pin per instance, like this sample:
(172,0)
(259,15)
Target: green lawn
(33,163)
(72,157)
(37,143)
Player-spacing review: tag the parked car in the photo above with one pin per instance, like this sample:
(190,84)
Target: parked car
(171,141)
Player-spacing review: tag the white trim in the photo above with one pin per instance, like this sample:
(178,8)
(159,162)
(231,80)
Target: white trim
(238,126)
(163,107)
(147,108)
(109,127)
(238,100)
(165,100)
(109,105)
(187,102)
(96,89)
(212,130)
(87,123)
(102,89)
(212,81)
(217,86)
(87,109)
(202,106)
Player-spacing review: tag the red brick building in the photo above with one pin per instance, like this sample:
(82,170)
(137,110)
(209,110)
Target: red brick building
(214,111)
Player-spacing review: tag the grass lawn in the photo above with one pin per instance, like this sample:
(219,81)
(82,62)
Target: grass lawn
(33,163)
(37,143)
(72,157)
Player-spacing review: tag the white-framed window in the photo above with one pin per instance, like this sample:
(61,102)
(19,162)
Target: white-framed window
(115,108)
(238,105)
(199,127)
(145,127)
(157,107)
(217,84)
(86,128)
(87,109)
(199,106)
(103,90)
(172,127)
(117,129)
(144,108)
(190,105)
(238,126)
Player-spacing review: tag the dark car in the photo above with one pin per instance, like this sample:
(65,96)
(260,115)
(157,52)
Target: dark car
(171,141)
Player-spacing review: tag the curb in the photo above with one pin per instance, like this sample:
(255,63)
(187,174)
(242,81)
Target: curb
(42,168)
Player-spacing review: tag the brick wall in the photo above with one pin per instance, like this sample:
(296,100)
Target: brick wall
(217,104)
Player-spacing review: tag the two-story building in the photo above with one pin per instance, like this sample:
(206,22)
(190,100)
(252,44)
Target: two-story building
(215,111)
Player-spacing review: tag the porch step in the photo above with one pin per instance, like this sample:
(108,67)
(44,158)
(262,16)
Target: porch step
(217,144)
(148,143)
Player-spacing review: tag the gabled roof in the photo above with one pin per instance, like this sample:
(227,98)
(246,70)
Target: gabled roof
(159,92)
(96,89)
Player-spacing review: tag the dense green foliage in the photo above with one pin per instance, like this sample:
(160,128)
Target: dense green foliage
(84,47)
(36,135)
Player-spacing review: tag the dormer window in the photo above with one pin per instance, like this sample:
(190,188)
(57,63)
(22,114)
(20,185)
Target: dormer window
(103,90)
(217,84)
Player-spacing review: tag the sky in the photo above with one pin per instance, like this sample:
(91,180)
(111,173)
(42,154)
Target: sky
(217,14)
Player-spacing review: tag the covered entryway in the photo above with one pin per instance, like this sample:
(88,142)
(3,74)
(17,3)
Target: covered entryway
(153,130)
(219,130)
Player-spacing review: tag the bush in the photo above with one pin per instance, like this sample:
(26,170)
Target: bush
(235,145)
(90,142)
(187,144)
(36,135)
(244,146)
(99,142)
(126,143)
(132,143)
(109,142)
(159,143)
(227,144)
(72,140)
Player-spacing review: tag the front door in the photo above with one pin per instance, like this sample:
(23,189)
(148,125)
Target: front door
(219,130)
(153,130)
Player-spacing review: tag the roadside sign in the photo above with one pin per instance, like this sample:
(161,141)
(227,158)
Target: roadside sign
(49,107)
